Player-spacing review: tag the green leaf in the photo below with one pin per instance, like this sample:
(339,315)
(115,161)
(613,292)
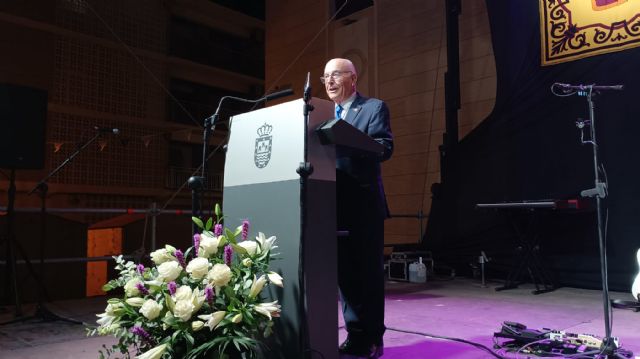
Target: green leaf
(189,338)
(239,249)
(223,241)
(198,222)
(209,223)
(230,235)
(238,231)
(218,211)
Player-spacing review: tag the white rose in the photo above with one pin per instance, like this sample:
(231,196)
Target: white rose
(183,310)
(169,271)
(130,288)
(183,293)
(161,255)
(208,245)
(151,309)
(250,246)
(219,275)
(198,268)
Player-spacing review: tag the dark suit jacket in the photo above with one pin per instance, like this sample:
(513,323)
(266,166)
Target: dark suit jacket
(370,116)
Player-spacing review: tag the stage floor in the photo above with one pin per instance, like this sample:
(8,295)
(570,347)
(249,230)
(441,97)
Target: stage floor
(458,308)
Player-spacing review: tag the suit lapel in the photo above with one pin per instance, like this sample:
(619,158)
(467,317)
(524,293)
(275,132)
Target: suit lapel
(354,110)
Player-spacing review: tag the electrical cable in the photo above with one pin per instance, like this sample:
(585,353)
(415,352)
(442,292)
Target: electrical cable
(464,341)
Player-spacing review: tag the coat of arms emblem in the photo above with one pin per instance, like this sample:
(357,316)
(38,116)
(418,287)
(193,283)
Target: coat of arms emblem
(262,153)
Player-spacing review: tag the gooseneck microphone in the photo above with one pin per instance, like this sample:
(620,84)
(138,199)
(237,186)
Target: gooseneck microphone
(212,120)
(593,87)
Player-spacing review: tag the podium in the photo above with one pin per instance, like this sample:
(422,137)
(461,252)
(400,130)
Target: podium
(261,184)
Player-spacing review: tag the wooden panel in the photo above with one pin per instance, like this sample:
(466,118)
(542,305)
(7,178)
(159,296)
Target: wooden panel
(101,242)
(404,184)
(410,164)
(411,124)
(412,104)
(404,203)
(395,12)
(411,144)
(477,68)
(411,45)
(409,85)
(478,90)
(406,66)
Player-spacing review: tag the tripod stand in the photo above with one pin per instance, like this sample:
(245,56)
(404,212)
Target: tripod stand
(42,188)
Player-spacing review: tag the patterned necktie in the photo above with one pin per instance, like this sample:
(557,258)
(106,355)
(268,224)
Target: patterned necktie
(339,112)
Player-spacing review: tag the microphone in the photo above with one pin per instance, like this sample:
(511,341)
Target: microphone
(307,88)
(115,131)
(276,95)
(592,87)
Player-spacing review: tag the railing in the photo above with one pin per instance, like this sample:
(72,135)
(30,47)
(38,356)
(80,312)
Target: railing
(420,216)
(177,176)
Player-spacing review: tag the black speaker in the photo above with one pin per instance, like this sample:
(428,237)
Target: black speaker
(23,113)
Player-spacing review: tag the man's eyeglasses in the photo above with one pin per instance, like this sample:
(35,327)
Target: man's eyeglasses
(334,75)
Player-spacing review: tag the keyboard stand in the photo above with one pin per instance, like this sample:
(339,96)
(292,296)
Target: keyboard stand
(527,254)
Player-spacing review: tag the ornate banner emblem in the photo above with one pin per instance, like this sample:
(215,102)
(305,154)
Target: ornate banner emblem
(262,153)
(574,29)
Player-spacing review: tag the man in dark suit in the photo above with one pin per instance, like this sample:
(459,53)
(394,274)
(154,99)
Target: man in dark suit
(362,209)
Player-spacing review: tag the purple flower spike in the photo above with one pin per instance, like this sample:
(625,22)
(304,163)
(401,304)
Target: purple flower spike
(196,243)
(172,287)
(228,254)
(180,257)
(142,288)
(245,229)
(139,331)
(209,294)
(217,230)
(140,269)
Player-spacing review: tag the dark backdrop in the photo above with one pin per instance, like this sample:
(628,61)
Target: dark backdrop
(529,149)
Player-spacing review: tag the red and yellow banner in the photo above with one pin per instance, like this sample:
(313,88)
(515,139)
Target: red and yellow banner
(574,29)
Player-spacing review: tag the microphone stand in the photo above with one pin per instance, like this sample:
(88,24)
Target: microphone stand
(197,183)
(600,191)
(304,170)
(42,188)
(608,347)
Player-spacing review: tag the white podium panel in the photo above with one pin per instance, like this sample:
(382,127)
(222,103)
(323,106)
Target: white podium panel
(261,184)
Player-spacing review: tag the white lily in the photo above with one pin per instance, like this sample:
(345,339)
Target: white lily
(275,278)
(269,309)
(214,319)
(153,353)
(237,318)
(257,286)
(266,244)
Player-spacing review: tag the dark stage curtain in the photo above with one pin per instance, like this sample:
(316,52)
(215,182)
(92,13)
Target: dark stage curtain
(529,149)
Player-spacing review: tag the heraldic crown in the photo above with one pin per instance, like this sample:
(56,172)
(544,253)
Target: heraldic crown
(264,130)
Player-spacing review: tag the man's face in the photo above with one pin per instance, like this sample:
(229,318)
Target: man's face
(339,80)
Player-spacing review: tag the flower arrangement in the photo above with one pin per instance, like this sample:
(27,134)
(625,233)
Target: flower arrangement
(204,302)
